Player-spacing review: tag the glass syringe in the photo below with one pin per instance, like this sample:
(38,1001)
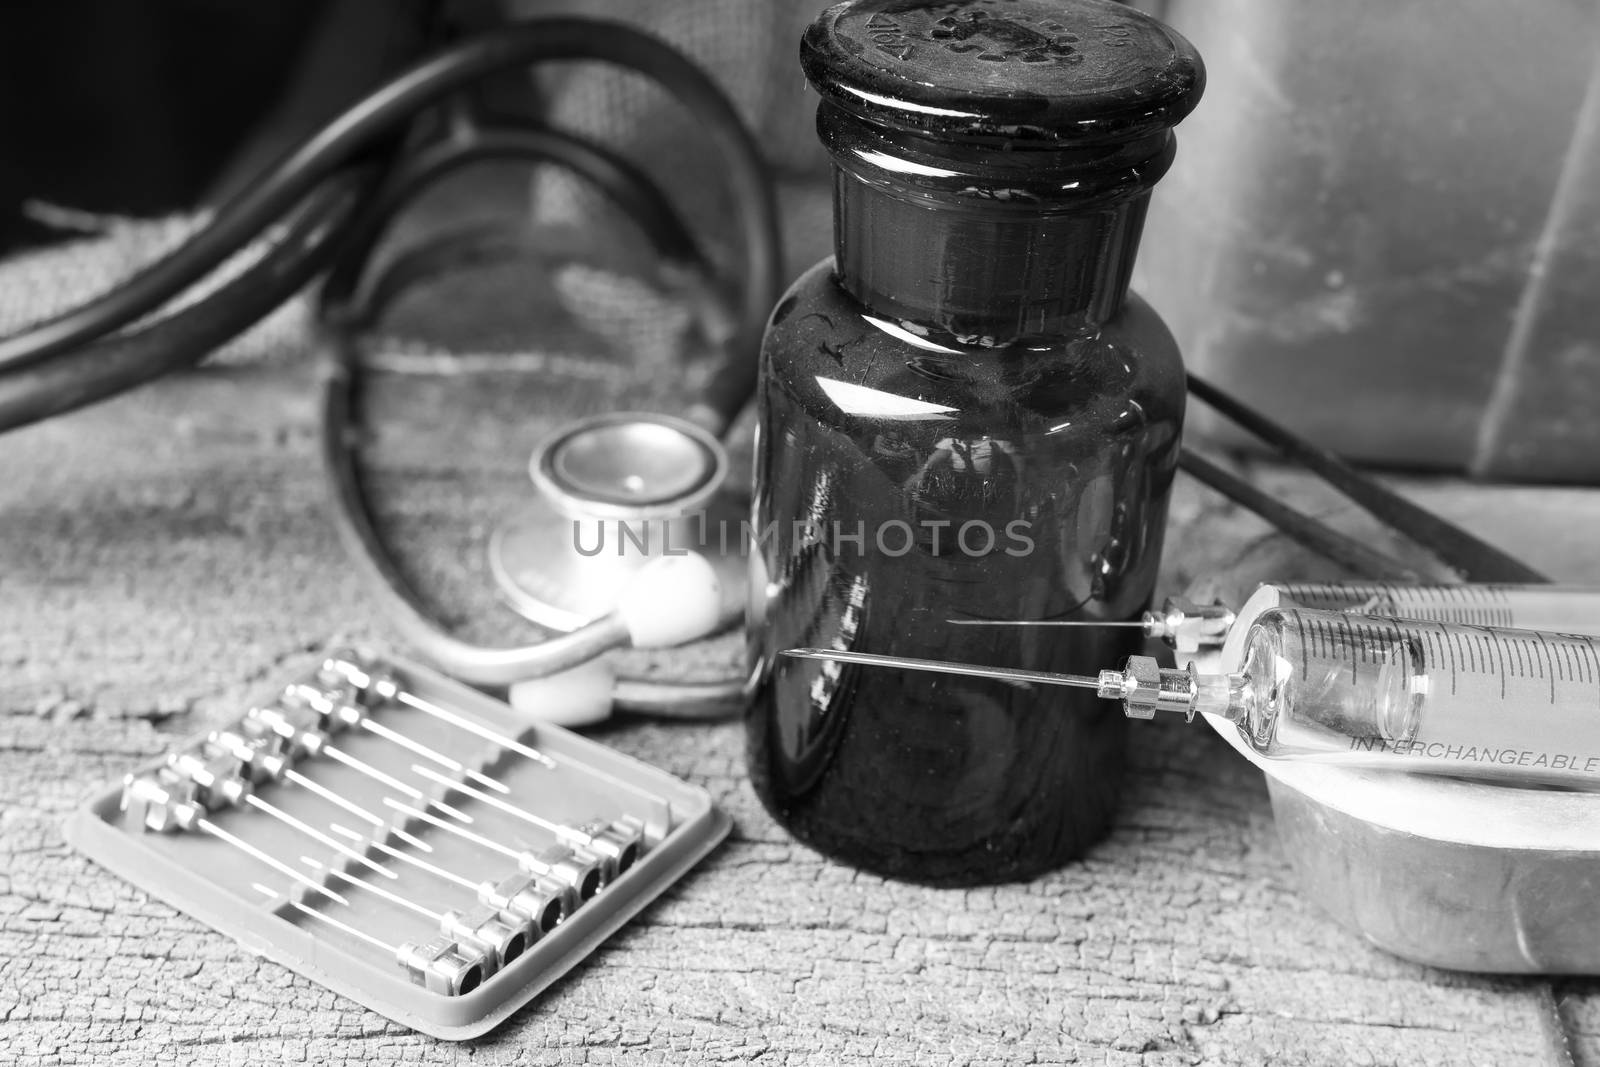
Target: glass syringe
(1557,608)
(1188,626)
(1445,698)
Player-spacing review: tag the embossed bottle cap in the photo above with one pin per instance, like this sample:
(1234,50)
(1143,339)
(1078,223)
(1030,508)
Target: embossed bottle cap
(1053,71)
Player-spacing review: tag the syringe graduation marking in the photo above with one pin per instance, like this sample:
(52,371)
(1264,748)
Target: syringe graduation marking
(1593,665)
(1300,632)
(1567,664)
(1544,652)
(1478,605)
(1500,657)
(1550,658)
(1441,653)
(1453,648)
(1413,647)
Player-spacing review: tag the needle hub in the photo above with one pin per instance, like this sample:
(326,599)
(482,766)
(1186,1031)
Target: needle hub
(1145,687)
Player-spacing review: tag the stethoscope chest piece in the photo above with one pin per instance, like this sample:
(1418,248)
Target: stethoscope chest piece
(613,492)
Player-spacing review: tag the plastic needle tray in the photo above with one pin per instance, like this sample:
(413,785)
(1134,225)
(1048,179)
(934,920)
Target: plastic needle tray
(349,880)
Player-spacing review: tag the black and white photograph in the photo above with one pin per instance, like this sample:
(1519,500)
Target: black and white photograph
(919,533)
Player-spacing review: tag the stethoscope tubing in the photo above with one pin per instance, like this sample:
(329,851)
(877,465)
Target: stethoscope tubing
(326,204)
(352,298)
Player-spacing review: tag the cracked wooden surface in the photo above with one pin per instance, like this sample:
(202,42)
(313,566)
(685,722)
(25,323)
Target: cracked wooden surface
(164,553)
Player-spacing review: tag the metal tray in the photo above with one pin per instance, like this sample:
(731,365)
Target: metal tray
(1456,874)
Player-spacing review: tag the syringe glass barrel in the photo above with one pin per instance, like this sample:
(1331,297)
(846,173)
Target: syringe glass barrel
(1194,627)
(1446,698)
(1190,626)
(1557,608)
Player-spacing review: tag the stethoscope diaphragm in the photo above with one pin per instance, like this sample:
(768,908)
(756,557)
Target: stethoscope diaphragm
(612,493)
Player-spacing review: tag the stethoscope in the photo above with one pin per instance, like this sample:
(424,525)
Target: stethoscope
(340,191)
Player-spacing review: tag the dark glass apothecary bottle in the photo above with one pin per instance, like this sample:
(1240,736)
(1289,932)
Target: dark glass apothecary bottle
(965,415)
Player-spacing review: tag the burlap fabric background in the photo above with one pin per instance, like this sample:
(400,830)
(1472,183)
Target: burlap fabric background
(750,47)
(600,277)
(583,327)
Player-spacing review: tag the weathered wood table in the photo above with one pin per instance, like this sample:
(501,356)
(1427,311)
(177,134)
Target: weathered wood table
(162,554)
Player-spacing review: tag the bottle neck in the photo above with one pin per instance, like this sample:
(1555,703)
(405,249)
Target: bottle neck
(979,273)
(987,244)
